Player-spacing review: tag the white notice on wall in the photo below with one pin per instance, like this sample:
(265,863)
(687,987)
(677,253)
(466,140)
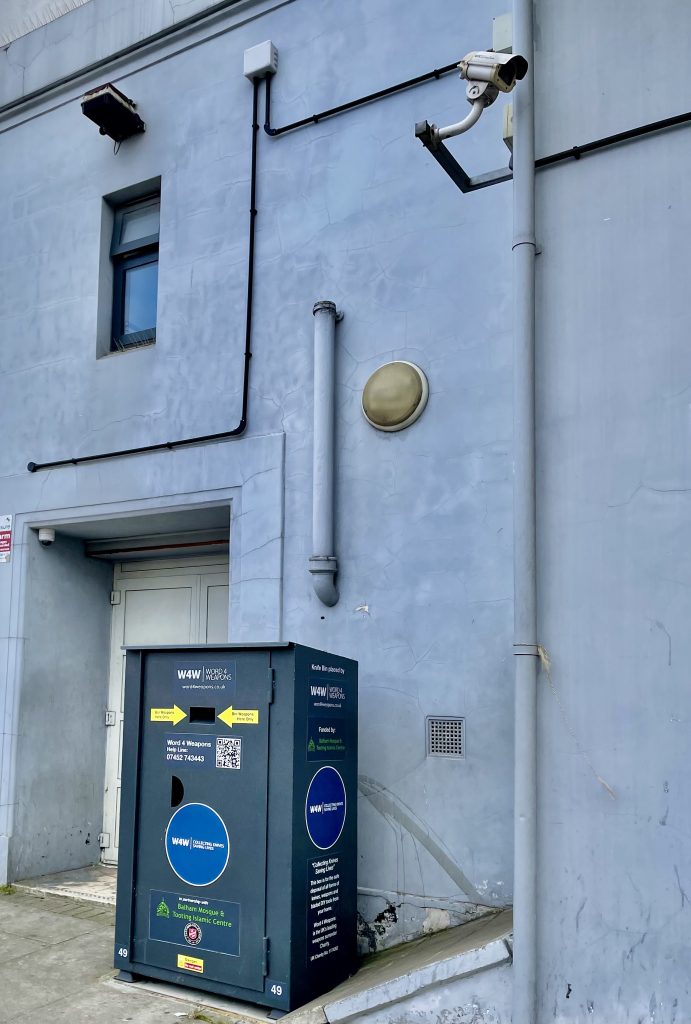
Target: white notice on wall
(5,538)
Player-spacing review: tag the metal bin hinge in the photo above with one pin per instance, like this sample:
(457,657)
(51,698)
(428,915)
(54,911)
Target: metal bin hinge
(272,678)
(265,957)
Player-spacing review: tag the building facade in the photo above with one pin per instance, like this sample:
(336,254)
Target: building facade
(124,274)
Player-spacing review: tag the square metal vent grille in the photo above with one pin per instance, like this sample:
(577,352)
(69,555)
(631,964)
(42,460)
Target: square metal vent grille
(446,737)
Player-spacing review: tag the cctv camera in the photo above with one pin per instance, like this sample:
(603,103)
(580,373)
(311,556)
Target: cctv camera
(46,536)
(487,74)
(501,70)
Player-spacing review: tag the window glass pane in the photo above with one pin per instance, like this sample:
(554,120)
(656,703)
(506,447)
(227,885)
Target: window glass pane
(140,298)
(140,222)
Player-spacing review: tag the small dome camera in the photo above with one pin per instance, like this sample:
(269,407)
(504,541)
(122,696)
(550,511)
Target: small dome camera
(46,536)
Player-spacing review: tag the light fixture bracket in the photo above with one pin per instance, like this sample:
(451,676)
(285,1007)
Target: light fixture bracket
(114,113)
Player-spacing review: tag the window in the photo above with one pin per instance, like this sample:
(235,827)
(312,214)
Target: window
(134,255)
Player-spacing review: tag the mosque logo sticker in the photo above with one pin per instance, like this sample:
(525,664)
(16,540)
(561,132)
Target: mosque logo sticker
(197,844)
(325,808)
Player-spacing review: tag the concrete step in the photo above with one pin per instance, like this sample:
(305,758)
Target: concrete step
(467,969)
(94,884)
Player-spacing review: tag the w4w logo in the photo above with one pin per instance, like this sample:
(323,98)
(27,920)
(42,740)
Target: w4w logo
(189,673)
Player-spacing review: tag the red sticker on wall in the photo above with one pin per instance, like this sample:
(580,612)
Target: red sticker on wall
(5,538)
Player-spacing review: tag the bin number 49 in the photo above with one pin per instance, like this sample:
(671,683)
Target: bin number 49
(277,990)
(123,951)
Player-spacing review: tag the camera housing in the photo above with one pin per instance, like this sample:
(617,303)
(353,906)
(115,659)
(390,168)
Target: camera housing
(46,536)
(501,70)
(487,73)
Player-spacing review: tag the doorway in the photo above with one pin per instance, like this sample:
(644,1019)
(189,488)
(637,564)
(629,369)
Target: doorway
(176,601)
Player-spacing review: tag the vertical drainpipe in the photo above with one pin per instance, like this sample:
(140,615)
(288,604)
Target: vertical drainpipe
(525,590)
(525,584)
(323,564)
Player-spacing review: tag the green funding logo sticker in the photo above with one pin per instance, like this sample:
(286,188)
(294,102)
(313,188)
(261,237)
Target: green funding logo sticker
(326,738)
(162,909)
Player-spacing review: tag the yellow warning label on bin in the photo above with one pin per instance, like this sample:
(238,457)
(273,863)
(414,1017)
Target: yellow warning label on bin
(174,714)
(233,716)
(190,963)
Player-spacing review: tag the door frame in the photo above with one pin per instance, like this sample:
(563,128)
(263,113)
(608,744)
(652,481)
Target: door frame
(149,574)
(251,472)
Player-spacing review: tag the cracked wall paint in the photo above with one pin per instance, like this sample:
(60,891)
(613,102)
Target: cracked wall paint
(22,16)
(613,562)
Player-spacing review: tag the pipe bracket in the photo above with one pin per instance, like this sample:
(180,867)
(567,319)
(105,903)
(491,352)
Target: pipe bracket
(529,649)
(326,306)
(324,563)
(323,569)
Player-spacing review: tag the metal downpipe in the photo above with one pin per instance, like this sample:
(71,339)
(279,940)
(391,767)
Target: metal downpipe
(323,564)
(525,583)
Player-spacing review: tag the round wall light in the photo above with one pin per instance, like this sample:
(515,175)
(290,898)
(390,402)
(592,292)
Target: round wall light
(395,395)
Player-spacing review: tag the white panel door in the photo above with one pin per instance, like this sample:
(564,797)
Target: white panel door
(172,604)
(214,601)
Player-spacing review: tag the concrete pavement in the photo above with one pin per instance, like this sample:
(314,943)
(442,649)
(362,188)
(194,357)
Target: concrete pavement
(56,957)
(55,968)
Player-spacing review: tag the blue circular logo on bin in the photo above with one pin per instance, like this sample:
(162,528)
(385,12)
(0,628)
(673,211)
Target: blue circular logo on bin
(325,808)
(197,844)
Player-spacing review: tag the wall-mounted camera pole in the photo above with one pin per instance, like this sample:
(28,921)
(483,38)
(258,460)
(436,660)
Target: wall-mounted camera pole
(461,126)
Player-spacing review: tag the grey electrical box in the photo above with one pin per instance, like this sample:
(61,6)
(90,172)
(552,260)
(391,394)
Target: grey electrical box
(237,863)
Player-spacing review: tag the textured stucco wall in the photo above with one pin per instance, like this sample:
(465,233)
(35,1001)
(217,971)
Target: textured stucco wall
(61,749)
(353,210)
(18,17)
(248,478)
(614,534)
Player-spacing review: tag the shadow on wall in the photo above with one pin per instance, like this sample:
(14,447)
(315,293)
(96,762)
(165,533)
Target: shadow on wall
(62,701)
(388,927)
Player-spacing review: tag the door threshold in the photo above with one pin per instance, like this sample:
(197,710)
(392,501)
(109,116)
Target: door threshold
(93,884)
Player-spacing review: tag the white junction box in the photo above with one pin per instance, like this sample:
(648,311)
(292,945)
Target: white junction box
(507,126)
(261,60)
(502,33)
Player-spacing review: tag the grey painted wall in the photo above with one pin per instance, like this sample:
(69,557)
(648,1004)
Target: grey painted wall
(354,210)
(614,368)
(255,496)
(61,749)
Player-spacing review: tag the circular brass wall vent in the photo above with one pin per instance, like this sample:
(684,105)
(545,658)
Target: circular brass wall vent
(395,395)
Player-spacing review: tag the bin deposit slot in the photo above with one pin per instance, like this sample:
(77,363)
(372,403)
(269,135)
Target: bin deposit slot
(203,715)
(177,791)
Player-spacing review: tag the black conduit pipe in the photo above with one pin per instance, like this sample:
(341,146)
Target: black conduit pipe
(224,435)
(352,104)
(576,152)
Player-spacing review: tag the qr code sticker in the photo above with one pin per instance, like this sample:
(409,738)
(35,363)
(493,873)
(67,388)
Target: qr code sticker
(228,752)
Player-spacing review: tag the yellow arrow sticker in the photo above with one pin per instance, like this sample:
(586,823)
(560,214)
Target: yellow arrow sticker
(232,716)
(174,714)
